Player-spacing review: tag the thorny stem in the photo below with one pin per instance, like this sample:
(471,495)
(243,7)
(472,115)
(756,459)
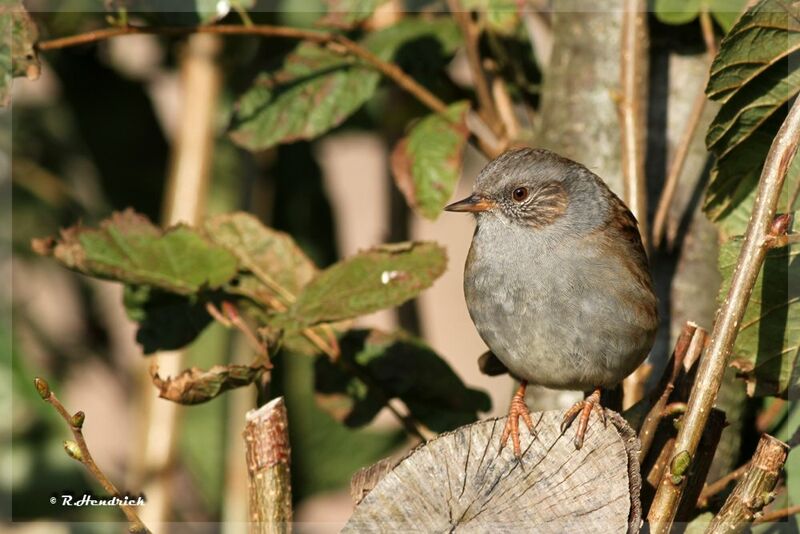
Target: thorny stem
(682,150)
(730,313)
(85,458)
(388,69)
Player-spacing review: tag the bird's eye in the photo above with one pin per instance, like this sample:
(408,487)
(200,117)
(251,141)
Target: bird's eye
(519,194)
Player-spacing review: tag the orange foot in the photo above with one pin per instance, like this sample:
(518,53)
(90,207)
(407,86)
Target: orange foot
(584,408)
(517,409)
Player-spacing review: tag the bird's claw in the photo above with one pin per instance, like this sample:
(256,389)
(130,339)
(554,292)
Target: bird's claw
(517,410)
(584,408)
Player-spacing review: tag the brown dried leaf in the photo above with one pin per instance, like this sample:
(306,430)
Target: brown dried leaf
(195,386)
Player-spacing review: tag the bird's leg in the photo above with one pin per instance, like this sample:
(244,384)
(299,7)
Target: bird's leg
(584,408)
(517,409)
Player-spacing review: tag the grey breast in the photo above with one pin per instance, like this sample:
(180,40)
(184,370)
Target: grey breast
(552,311)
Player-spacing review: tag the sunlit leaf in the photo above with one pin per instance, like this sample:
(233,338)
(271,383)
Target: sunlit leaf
(766,350)
(379,278)
(129,248)
(319,87)
(754,78)
(427,162)
(270,255)
(725,12)
(395,366)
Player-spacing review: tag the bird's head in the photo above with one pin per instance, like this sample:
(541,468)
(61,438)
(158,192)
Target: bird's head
(536,188)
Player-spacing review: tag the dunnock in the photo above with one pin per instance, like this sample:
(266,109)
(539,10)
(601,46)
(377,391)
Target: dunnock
(556,280)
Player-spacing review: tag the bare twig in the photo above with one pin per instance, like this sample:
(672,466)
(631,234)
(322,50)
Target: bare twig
(471,35)
(632,109)
(719,485)
(691,336)
(730,313)
(80,451)
(388,69)
(266,438)
(775,515)
(232,315)
(682,150)
(755,490)
(505,108)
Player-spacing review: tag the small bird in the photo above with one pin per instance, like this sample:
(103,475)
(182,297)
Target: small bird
(556,281)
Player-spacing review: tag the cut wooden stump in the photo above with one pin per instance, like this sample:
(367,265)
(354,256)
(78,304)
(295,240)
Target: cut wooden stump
(462,481)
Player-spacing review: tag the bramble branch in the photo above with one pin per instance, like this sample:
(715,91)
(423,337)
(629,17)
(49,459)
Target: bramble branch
(80,451)
(388,69)
(729,315)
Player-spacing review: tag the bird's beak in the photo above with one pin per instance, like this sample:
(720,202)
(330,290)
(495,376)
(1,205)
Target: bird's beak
(473,203)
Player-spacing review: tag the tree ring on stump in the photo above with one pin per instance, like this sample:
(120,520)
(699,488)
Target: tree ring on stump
(463,481)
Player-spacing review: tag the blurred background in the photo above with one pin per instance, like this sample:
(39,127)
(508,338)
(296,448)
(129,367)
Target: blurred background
(142,121)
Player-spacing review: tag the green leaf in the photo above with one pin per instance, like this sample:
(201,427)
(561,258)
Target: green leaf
(195,386)
(677,11)
(387,42)
(765,34)
(129,248)
(166,321)
(345,14)
(266,253)
(395,366)
(766,349)
(754,79)
(177,12)
(725,12)
(379,278)
(18,57)
(318,88)
(499,16)
(427,162)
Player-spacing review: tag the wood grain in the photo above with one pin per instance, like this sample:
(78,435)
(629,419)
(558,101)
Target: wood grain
(462,481)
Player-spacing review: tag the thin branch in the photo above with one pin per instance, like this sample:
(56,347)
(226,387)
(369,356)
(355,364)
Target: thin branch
(729,316)
(632,109)
(685,340)
(719,485)
(775,515)
(755,490)
(82,454)
(505,108)
(682,150)
(471,35)
(388,69)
